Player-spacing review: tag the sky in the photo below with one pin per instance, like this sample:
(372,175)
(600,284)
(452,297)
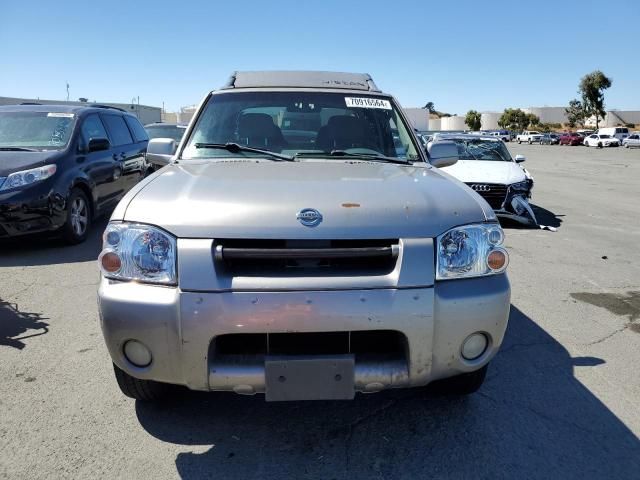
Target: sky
(460,55)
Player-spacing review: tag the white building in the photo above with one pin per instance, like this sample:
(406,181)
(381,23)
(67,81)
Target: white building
(419,118)
(489,120)
(453,123)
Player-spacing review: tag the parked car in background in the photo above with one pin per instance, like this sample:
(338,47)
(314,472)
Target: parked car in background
(632,141)
(571,138)
(504,135)
(615,132)
(486,165)
(172,133)
(600,141)
(550,139)
(166,130)
(62,166)
(302,267)
(529,136)
(585,132)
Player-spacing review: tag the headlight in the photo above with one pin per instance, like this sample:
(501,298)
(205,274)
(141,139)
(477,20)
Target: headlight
(27,177)
(138,252)
(471,251)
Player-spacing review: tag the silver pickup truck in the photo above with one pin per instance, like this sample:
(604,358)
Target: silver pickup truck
(302,244)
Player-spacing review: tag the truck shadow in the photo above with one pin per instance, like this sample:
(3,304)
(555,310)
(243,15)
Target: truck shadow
(531,418)
(16,325)
(51,250)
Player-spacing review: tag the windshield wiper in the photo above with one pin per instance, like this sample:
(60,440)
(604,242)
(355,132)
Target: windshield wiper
(369,156)
(235,148)
(17,149)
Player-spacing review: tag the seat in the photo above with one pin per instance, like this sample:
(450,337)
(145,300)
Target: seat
(343,132)
(258,130)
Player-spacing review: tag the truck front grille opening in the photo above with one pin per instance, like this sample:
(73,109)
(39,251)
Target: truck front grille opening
(360,343)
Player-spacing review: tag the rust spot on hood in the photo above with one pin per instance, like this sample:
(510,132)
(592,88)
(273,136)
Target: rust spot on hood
(351,205)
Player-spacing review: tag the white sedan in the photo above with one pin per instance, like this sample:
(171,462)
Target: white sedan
(632,141)
(486,166)
(596,140)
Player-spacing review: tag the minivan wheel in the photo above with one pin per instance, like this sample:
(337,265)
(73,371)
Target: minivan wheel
(464,384)
(76,228)
(143,390)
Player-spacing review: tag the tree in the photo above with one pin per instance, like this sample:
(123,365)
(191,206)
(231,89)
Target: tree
(575,113)
(473,120)
(516,119)
(592,87)
(430,107)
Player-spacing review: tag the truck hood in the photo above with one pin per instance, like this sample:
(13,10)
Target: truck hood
(260,199)
(477,171)
(11,162)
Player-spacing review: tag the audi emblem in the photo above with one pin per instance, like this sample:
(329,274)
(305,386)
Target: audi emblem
(481,188)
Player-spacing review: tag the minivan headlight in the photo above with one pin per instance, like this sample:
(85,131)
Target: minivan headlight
(27,177)
(138,252)
(471,251)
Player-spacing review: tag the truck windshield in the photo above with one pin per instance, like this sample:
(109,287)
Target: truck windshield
(308,124)
(36,130)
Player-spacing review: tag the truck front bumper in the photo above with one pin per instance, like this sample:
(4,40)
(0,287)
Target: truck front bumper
(180,327)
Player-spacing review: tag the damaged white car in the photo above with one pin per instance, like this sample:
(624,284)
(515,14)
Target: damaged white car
(487,167)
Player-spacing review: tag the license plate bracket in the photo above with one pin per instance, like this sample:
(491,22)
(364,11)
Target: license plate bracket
(326,377)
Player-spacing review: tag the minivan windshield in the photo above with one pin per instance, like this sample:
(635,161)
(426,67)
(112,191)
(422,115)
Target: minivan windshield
(36,130)
(301,124)
(478,149)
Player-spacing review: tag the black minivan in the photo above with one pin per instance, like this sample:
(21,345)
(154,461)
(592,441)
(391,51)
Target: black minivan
(62,166)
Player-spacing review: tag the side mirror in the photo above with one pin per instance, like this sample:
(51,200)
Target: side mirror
(520,158)
(161,150)
(98,144)
(442,154)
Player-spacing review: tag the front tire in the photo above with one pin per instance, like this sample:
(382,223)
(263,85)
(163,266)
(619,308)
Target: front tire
(463,384)
(76,228)
(143,390)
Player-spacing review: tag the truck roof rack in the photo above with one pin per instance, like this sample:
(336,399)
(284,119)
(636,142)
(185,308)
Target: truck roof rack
(302,79)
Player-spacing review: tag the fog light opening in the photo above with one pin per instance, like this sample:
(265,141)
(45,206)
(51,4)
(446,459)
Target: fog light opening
(137,353)
(474,346)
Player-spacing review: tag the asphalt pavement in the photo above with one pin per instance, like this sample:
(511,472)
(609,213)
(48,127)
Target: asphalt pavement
(562,398)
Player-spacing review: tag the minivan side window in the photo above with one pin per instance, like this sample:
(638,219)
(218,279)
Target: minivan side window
(137,129)
(92,127)
(120,134)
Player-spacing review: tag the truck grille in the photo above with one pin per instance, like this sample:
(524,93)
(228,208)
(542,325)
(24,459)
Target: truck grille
(493,193)
(315,257)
